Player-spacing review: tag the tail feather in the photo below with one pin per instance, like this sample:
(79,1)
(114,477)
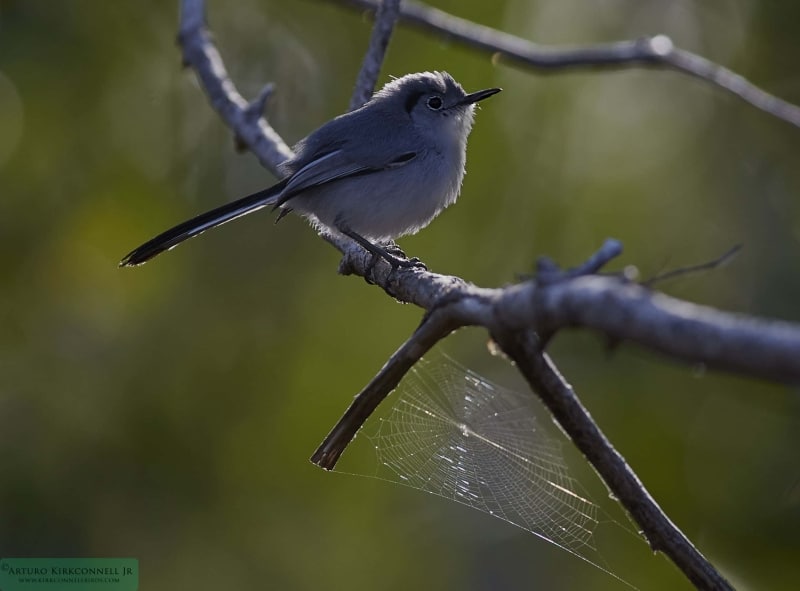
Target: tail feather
(197,225)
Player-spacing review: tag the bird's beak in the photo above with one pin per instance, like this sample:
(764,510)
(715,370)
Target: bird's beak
(478,96)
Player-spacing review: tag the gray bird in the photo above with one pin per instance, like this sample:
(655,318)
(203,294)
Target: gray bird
(377,173)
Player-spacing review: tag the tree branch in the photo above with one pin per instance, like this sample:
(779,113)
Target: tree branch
(560,399)
(434,327)
(507,316)
(612,306)
(201,55)
(516,314)
(652,52)
(385,19)
(548,271)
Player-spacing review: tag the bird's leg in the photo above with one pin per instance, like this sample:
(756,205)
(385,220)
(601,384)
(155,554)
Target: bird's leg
(383,252)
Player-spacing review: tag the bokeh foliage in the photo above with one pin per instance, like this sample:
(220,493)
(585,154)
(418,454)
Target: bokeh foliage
(167,412)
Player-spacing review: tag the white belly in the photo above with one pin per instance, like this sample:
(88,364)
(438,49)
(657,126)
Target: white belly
(385,204)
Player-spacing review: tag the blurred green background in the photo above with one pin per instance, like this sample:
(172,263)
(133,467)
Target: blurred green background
(167,412)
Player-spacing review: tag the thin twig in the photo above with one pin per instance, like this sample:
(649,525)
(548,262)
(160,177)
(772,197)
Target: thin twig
(653,52)
(434,327)
(547,271)
(683,271)
(385,19)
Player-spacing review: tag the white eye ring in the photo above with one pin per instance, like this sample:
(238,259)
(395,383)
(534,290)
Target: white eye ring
(435,103)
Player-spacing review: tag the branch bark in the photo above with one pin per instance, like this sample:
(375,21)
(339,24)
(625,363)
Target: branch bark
(562,402)
(385,18)
(515,315)
(651,52)
(200,54)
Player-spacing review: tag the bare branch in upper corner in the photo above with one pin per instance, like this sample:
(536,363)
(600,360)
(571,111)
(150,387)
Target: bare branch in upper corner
(652,52)
(203,57)
(385,19)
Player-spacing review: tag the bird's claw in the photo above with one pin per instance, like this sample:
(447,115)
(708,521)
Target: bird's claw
(412,262)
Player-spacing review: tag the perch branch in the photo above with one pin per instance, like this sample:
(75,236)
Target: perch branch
(652,52)
(611,306)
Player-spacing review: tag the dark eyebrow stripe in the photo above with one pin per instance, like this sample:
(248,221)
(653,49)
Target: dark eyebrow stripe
(412,100)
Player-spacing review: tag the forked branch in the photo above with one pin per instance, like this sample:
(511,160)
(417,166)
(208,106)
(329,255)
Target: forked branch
(649,52)
(515,315)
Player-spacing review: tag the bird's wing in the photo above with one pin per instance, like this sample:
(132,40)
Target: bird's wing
(333,166)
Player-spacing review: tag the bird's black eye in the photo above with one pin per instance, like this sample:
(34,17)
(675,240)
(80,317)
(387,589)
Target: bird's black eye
(435,103)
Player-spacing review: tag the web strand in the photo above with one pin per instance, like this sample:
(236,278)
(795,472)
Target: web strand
(452,433)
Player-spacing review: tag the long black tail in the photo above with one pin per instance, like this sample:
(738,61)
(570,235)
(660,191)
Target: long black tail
(197,225)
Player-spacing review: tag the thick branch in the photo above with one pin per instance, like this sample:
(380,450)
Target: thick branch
(612,306)
(654,52)
(679,329)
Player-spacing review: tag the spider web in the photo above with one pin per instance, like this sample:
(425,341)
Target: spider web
(453,433)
